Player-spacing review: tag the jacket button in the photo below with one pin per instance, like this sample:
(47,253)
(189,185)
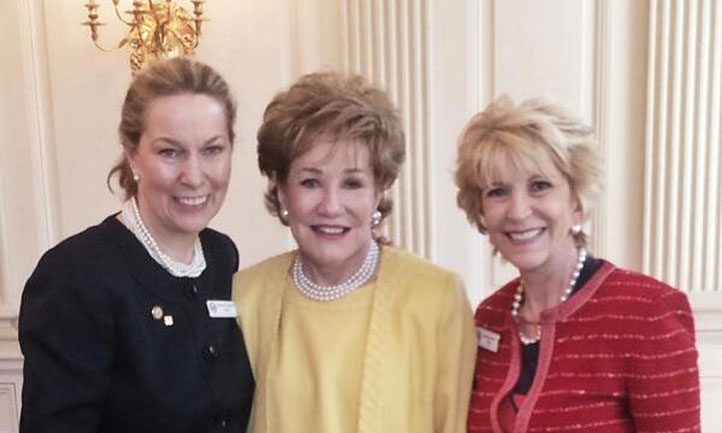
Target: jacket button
(220,421)
(191,291)
(210,352)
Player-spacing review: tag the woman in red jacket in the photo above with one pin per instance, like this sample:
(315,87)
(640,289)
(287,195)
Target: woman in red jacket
(575,344)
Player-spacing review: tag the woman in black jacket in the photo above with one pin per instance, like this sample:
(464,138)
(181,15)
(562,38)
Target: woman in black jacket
(127,326)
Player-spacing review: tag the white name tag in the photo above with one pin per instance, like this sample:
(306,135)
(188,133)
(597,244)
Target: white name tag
(488,340)
(221,309)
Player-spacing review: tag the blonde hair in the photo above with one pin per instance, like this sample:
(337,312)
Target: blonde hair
(335,108)
(166,77)
(534,135)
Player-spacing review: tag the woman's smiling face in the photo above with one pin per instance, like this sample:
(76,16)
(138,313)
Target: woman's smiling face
(330,194)
(528,215)
(183,162)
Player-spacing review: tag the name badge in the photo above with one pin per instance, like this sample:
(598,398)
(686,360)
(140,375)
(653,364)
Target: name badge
(488,340)
(221,309)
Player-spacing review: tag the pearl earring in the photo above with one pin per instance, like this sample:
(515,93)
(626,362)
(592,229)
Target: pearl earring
(376,217)
(575,229)
(136,178)
(284,214)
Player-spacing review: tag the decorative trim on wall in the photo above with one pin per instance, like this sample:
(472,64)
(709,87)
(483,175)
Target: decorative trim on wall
(388,42)
(601,114)
(9,349)
(35,66)
(683,185)
(480,28)
(11,373)
(4,251)
(9,408)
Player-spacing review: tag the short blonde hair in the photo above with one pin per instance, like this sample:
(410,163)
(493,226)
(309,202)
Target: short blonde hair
(337,108)
(535,136)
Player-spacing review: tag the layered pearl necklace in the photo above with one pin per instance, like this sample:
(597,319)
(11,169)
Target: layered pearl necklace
(329,293)
(130,216)
(519,297)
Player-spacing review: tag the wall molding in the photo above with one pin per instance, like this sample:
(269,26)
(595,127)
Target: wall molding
(9,407)
(601,110)
(480,29)
(40,119)
(11,372)
(9,348)
(683,209)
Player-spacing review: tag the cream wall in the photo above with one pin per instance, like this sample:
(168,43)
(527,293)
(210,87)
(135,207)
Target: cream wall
(442,60)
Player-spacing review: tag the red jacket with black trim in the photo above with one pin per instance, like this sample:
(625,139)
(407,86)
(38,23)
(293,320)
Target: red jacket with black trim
(618,356)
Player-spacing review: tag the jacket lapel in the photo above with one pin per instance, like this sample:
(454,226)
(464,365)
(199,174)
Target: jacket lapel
(377,362)
(270,302)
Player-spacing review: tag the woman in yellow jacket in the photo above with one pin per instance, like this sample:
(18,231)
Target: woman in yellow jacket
(344,334)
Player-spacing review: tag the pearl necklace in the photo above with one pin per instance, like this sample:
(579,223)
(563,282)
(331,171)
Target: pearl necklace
(132,219)
(329,293)
(519,297)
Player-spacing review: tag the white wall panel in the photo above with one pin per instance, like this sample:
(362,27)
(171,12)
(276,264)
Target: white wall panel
(682,236)
(544,50)
(461,54)
(619,115)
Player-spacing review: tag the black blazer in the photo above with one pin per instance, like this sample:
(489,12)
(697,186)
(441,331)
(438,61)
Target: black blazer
(96,358)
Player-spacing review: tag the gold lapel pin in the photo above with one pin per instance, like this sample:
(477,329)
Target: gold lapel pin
(168,320)
(156,312)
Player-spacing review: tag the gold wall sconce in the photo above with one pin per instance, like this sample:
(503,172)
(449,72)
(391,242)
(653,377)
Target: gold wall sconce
(157,29)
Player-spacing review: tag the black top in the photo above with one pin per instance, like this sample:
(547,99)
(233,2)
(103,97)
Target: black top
(530,352)
(97,358)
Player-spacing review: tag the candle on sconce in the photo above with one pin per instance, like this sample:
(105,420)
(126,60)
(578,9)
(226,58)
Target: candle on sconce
(176,32)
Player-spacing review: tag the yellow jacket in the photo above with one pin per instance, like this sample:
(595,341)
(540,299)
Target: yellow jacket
(419,355)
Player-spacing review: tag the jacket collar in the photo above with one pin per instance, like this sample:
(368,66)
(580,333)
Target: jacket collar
(146,271)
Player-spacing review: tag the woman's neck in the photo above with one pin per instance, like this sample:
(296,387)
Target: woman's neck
(337,272)
(543,288)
